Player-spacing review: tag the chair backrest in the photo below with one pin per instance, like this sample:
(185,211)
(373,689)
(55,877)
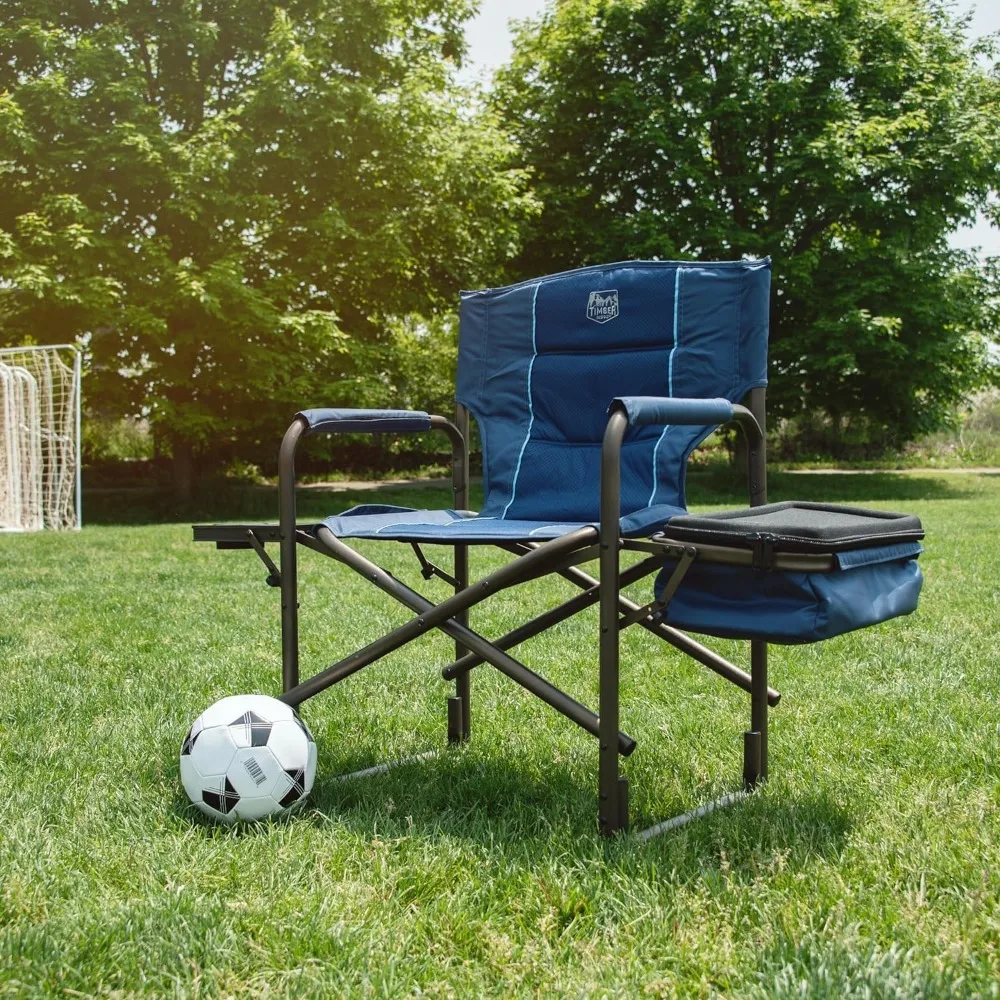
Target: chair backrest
(540,361)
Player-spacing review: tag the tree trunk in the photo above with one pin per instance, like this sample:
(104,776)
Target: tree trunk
(183,468)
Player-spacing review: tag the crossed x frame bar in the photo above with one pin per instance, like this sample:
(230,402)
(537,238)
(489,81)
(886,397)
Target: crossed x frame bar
(559,556)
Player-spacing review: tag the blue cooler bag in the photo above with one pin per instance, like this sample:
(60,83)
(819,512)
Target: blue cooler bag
(793,572)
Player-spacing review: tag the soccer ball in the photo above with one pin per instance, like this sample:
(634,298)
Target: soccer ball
(247,757)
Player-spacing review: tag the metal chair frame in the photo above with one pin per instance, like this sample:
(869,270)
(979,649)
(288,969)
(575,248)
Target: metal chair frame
(561,556)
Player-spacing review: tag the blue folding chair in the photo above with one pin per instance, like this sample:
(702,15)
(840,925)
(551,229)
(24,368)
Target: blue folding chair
(590,390)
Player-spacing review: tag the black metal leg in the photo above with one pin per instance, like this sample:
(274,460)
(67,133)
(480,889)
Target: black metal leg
(289,577)
(463,695)
(463,683)
(755,740)
(755,752)
(455,720)
(612,788)
(460,483)
(610,791)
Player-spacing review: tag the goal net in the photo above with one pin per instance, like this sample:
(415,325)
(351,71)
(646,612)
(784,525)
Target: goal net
(39,438)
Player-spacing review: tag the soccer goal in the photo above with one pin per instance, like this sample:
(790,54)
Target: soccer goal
(39,438)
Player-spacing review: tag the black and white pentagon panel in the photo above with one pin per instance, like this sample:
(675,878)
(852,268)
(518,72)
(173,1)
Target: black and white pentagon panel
(193,733)
(233,708)
(250,730)
(224,801)
(296,787)
(302,725)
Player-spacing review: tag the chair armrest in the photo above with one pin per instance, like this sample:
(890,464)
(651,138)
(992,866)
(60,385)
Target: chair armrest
(640,411)
(644,410)
(348,421)
(345,421)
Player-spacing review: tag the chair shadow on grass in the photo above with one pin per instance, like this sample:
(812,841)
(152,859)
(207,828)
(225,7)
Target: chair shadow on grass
(537,809)
(539,814)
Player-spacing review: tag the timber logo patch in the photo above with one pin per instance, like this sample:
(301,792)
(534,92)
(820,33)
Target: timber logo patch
(603,306)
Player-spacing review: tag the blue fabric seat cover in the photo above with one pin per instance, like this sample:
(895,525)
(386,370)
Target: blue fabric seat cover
(408,524)
(539,363)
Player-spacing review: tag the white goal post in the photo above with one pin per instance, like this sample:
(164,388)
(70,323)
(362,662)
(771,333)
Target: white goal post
(40,438)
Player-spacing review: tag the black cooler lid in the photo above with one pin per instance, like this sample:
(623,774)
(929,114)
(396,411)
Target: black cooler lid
(797,526)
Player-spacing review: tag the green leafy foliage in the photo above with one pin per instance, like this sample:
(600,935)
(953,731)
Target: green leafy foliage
(235,204)
(846,139)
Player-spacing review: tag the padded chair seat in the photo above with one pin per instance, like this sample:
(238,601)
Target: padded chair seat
(406,524)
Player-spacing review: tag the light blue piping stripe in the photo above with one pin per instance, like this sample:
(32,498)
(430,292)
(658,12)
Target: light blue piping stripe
(670,390)
(531,409)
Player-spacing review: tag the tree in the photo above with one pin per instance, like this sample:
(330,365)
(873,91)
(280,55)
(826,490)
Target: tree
(232,201)
(845,138)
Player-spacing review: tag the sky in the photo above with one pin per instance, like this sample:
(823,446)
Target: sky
(489,46)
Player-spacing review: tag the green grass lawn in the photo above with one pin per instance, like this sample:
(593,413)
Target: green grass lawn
(869,866)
